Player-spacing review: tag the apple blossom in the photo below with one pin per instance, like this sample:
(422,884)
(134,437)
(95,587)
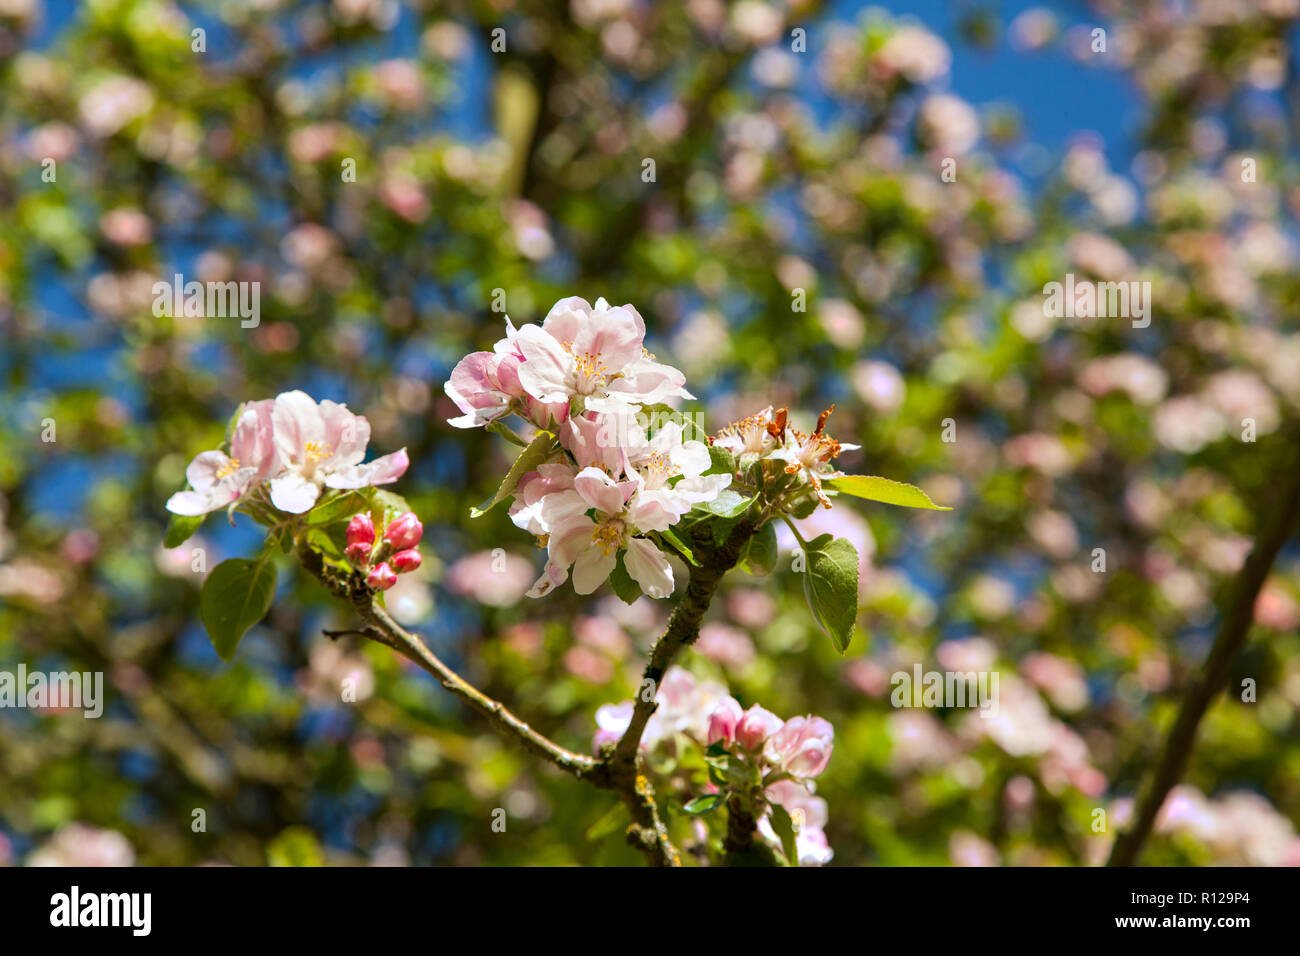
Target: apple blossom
(322,445)
(755,726)
(808,456)
(802,747)
(594,355)
(723,721)
(590,546)
(655,460)
(748,439)
(486,387)
(219,480)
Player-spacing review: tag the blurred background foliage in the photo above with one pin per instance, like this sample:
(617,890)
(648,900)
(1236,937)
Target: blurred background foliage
(776,169)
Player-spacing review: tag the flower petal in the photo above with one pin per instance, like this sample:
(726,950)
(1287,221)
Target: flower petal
(346,434)
(599,490)
(381,471)
(297,421)
(547,370)
(592,569)
(649,568)
(293,493)
(203,470)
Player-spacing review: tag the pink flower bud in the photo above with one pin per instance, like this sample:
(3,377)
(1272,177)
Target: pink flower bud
(404,532)
(407,560)
(802,747)
(723,721)
(755,726)
(358,553)
(381,578)
(361,530)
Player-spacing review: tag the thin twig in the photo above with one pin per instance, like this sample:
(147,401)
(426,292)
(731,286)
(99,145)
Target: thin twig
(388,632)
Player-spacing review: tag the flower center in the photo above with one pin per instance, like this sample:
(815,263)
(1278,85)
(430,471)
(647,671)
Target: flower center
(607,535)
(229,468)
(661,465)
(593,371)
(314,451)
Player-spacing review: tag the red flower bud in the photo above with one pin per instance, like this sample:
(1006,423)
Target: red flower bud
(359,553)
(404,532)
(381,578)
(407,560)
(361,530)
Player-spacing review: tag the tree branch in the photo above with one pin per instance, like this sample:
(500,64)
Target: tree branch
(1233,631)
(620,767)
(384,630)
(623,763)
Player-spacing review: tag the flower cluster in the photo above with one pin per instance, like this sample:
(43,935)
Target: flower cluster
(591,357)
(610,479)
(752,749)
(395,554)
(295,444)
(768,437)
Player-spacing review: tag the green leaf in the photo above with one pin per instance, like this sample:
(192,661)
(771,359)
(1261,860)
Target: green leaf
(804,507)
(710,801)
(609,822)
(505,431)
(336,507)
(180,528)
(236,595)
(830,584)
(383,502)
(783,827)
(761,552)
(668,535)
(282,537)
(535,454)
(330,541)
(728,504)
(884,489)
(721,461)
(628,590)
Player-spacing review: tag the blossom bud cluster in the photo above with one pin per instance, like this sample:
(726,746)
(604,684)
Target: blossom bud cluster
(395,554)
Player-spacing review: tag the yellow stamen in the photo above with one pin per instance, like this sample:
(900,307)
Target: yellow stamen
(316,450)
(607,536)
(660,462)
(229,468)
(591,367)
